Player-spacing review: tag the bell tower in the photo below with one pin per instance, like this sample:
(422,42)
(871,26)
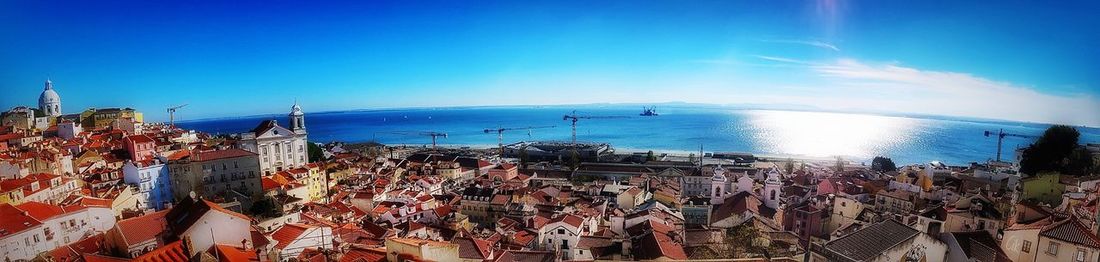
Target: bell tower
(772,189)
(297,119)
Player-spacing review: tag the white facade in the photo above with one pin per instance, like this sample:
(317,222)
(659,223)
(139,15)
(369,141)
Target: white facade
(279,148)
(153,182)
(218,227)
(312,237)
(68,130)
(56,231)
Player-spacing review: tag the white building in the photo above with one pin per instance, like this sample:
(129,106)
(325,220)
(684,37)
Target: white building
(292,239)
(68,130)
(562,233)
(206,223)
(279,148)
(151,178)
(34,227)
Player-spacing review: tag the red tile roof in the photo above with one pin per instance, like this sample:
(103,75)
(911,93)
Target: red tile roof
(220,154)
(140,139)
(288,233)
(1071,230)
(362,254)
(140,229)
(172,252)
(227,253)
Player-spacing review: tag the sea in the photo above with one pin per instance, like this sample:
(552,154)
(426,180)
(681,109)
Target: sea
(906,139)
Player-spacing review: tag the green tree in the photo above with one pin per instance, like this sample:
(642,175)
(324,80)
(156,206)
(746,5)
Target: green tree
(789,166)
(883,164)
(574,160)
(523,157)
(316,154)
(839,165)
(1057,151)
(691,157)
(649,156)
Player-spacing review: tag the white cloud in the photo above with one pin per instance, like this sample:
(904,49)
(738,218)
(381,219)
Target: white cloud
(961,94)
(813,43)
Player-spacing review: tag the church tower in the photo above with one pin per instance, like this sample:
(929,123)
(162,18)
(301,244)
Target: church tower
(49,102)
(297,119)
(718,184)
(772,189)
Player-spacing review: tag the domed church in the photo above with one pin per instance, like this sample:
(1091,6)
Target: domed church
(49,102)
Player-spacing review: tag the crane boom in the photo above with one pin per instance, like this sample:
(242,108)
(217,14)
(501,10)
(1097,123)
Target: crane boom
(433,134)
(1001,137)
(172,114)
(500,134)
(573,117)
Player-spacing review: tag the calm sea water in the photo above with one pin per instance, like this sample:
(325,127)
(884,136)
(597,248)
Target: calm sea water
(678,129)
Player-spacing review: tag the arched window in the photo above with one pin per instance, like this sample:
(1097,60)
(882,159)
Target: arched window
(772,195)
(717,190)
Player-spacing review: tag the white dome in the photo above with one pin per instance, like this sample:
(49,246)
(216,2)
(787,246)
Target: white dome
(48,95)
(49,101)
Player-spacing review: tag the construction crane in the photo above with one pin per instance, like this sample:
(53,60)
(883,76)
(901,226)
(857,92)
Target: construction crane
(1001,137)
(433,134)
(500,134)
(172,114)
(574,117)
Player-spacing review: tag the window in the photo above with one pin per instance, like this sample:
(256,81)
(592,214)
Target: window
(561,231)
(1052,249)
(1026,248)
(1080,256)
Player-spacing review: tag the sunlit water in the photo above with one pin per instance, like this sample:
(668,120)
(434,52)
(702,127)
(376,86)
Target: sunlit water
(680,129)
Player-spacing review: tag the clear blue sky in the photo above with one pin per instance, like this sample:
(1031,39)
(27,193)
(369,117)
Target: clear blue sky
(1014,60)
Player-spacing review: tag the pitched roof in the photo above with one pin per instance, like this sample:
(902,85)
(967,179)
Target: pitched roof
(288,233)
(188,211)
(220,154)
(657,245)
(1071,230)
(139,229)
(15,220)
(362,254)
(472,248)
(227,253)
(980,245)
(172,252)
(871,241)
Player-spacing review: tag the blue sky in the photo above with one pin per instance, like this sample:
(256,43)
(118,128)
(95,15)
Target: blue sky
(1013,60)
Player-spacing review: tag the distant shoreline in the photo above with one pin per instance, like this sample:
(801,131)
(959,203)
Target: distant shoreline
(666,105)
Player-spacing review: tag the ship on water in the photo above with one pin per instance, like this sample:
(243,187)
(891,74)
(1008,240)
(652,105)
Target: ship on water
(649,111)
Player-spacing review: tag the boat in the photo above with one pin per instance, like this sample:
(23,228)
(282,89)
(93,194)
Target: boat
(649,111)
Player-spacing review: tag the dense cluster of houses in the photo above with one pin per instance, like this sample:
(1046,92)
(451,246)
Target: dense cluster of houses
(108,187)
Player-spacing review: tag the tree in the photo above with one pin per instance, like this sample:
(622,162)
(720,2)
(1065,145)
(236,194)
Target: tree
(523,157)
(883,164)
(316,154)
(1057,151)
(839,165)
(649,156)
(789,166)
(691,157)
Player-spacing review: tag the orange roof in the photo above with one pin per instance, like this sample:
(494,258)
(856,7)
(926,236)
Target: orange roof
(233,254)
(220,154)
(288,233)
(216,207)
(40,211)
(139,229)
(168,253)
